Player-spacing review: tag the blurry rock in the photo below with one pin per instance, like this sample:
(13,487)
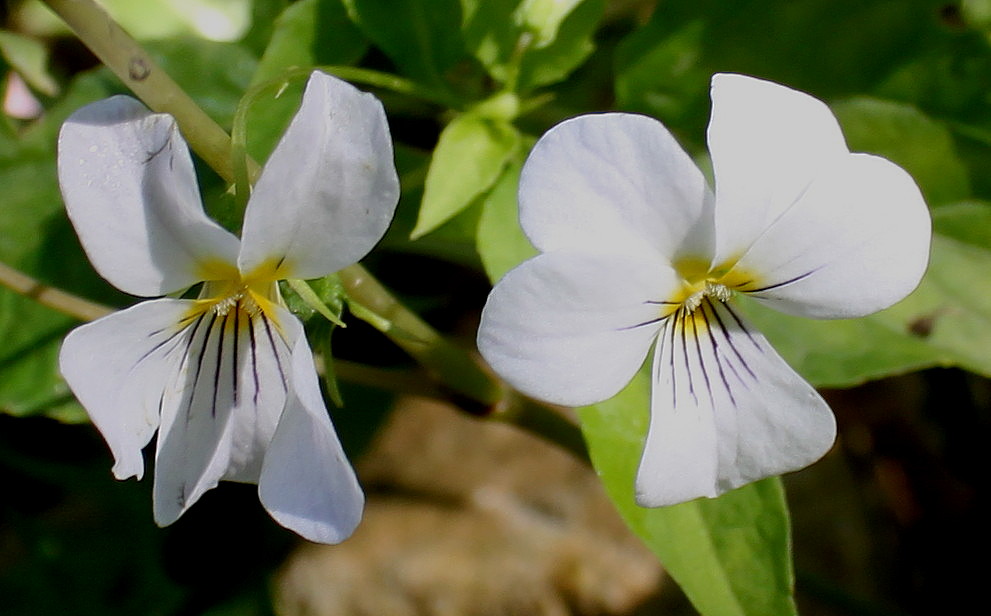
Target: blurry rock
(472,518)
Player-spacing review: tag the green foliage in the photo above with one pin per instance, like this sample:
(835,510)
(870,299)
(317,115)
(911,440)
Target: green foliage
(420,36)
(471,153)
(500,240)
(36,238)
(530,43)
(310,33)
(29,58)
(903,134)
(731,555)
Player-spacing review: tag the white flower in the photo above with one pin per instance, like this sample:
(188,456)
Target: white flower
(227,379)
(637,252)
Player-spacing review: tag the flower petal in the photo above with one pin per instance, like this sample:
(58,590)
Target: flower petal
(118,367)
(615,182)
(130,191)
(726,410)
(573,328)
(328,191)
(856,241)
(223,404)
(307,483)
(767,143)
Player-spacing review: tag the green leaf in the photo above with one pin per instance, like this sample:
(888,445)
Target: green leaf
(829,49)
(36,238)
(492,35)
(29,58)
(732,555)
(500,241)
(530,43)
(543,18)
(468,159)
(573,44)
(968,222)
(909,138)
(310,33)
(422,37)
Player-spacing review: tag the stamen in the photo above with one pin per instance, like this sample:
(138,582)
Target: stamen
(225,305)
(242,300)
(710,289)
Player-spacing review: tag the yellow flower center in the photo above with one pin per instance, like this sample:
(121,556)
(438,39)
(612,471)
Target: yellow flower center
(701,281)
(225,289)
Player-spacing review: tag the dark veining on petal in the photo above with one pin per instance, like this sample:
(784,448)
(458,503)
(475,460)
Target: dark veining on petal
(275,351)
(682,316)
(191,337)
(743,328)
(779,284)
(644,324)
(234,352)
(672,325)
(199,363)
(706,307)
(729,340)
(254,358)
(698,349)
(218,367)
(174,336)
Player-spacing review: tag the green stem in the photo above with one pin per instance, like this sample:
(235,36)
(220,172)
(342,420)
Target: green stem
(478,390)
(139,72)
(393,83)
(64,302)
(446,362)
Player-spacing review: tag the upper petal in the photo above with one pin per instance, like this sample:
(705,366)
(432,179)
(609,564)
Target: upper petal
(614,181)
(726,410)
(328,191)
(222,404)
(856,241)
(767,142)
(130,191)
(118,367)
(573,328)
(306,482)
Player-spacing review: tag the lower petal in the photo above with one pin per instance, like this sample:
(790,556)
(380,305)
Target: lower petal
(221,408)
(573,328)
(726,410)
(307,483)
(118,367)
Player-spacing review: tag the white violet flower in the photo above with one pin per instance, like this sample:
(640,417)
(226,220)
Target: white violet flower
(227,379)
(637,252)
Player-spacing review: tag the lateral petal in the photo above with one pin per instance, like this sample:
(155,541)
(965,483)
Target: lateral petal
(223,404)
(767,142)
(118,367)
(307,483)
(572,328)
(856,241)
(130,191)
(328,191)
(616,182)
(726,410)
